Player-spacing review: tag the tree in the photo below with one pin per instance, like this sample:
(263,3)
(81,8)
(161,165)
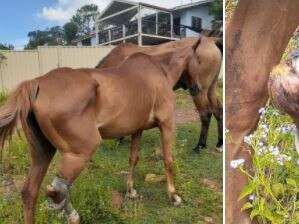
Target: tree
(55,36)
(70,31)
(51,36)
(85,19)
(2,57)
(6,46)
(216,9)
(36,38)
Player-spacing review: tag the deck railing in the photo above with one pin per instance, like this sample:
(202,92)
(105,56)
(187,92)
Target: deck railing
(162,29)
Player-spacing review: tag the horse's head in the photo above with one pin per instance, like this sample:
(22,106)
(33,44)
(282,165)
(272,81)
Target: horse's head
(189,78)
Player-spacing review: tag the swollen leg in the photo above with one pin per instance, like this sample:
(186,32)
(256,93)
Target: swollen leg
(71,166)
(131,192)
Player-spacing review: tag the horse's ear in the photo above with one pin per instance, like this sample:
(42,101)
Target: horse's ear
(196,44)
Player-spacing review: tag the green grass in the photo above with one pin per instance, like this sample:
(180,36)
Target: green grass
(91,192)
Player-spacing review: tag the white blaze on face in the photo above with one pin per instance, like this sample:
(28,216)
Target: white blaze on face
(295,64)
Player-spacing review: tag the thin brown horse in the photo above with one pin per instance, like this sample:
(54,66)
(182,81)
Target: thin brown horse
(73,109)
(256,38)
(203,71)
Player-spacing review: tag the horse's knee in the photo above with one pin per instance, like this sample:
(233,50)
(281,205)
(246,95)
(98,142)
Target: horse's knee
(206,118)
(195,90)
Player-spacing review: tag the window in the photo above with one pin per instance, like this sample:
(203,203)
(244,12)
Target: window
(86,42)
(196,23)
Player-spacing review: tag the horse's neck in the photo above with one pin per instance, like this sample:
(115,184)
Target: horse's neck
(177,63)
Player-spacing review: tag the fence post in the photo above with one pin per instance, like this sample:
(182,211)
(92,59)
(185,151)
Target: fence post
(139,26)
(39,55)
(59,56)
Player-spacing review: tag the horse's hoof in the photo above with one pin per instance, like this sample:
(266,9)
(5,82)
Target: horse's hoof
(197,149)
(176,200)
(219,149)
(132,193)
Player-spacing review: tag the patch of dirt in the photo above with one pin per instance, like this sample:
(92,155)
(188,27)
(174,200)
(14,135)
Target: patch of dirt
(116,199)
(123,173)
(154,178)
(12,184)
(184,116)
(208,220)
(213,185)
(158,152)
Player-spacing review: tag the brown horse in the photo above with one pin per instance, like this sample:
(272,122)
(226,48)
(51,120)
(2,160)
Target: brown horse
(256,37)
(73,109)
(204,71)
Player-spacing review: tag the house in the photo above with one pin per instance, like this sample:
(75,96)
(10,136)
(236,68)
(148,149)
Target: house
(145,24)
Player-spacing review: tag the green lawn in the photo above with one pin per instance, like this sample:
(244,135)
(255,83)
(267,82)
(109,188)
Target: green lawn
(198,180)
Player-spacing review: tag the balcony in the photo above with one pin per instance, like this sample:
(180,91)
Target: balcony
(137,23)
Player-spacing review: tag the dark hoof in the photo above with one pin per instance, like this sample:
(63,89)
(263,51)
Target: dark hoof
(198,148)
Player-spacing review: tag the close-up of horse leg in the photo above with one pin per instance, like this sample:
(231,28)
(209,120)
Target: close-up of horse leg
(202,105)
(167,128)
(133,160)
(254,44)
(217,110)
(40,160)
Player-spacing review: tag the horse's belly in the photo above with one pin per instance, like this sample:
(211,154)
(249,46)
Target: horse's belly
(125,124)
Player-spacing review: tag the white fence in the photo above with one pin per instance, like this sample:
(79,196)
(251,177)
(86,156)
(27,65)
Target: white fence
(23,65)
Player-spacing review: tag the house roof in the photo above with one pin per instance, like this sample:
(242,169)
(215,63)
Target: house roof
(116,6)
(193,4)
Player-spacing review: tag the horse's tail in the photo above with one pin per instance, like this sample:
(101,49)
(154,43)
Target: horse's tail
(17,108)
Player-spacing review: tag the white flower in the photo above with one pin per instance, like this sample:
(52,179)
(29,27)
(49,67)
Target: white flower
(248,139)
(237,163)
(262,150)
(275,113)
(262,110)
(274,150)
(226,130)
(251,197)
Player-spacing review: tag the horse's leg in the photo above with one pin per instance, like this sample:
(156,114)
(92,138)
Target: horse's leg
(131,192)
(217,110)
(202,106)
(80,140)
(250,56)
(40,160)
(42,152)
(73,162)
(167,130)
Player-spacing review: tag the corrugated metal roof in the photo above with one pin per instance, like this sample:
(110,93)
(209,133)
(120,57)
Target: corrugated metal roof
(197,3)
(116,6)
